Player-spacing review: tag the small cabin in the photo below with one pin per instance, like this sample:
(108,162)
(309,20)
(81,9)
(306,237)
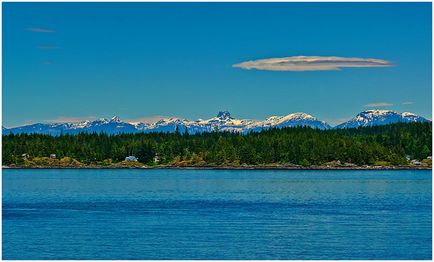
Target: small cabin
(157,158)
(25,156)
(131,159)
(53,156)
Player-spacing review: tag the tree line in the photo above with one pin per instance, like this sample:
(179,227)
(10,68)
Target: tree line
(296,145)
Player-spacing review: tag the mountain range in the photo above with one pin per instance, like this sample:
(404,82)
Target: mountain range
(222,122)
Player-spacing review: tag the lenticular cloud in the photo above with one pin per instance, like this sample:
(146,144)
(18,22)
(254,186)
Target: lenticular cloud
(311,63)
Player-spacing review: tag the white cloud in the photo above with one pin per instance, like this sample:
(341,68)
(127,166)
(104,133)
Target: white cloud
(379,105)
(408,103)
(40,30)
(65,119)
(337,121)
(311,63)
(146,119)
(47,47)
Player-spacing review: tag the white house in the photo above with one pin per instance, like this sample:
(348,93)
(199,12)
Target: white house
(415,162)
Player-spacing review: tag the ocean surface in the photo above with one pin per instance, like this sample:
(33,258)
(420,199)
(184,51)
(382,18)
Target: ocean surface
(216,214)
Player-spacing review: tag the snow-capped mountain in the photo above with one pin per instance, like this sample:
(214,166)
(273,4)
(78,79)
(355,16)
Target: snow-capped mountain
(109,126)
(292,120)
(222,122)
(381,117)
(225,122)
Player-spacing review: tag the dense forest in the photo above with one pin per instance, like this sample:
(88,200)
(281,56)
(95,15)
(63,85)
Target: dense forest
(297,146)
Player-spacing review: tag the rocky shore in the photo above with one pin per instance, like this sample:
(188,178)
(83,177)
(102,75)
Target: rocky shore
(223,167)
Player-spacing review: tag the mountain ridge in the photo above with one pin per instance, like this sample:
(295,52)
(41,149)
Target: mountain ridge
(223,121)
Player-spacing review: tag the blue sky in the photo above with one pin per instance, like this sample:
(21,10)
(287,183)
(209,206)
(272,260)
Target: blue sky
(70,61)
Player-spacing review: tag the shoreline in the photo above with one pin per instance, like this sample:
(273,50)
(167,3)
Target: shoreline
(231,167)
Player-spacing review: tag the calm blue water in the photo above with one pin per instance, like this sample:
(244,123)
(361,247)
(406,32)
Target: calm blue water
(206,214)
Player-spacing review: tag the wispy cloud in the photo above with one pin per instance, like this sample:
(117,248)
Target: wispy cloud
(311,63)
(379,105)
(66,119)
(47,47)
(40,30)
(337,121)
(408,103)
(147,119)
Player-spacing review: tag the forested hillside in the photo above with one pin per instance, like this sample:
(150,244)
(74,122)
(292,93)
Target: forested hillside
(298,146)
